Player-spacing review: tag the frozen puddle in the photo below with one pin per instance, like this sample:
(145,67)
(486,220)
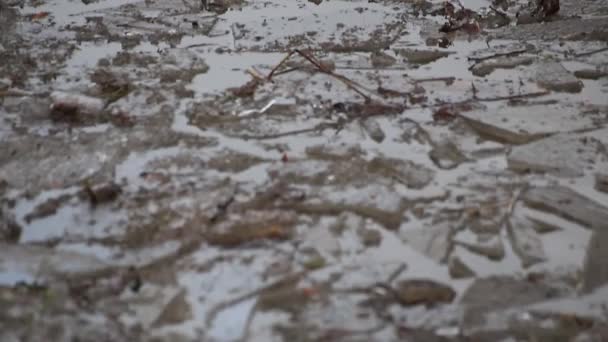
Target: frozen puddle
(389,182)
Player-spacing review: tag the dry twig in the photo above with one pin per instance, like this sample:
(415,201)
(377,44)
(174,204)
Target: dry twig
(348,82)
(249,295)
(589,53)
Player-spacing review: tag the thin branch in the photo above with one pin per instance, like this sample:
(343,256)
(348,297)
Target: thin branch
(500,54)
(447,80)
(478,60)
(249,295)
(514,198)
(396,273)
(318,127)
(589,53)
(348,82)
(286,71)
(512,97)
(197,45)
(269,77)
(321,68)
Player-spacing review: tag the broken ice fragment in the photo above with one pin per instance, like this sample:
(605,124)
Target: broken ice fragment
(566,203)
(497,293)
(595,272)
(458,269)
(373,129)
(567,155)
(525,240)
(486,67)
(422,56)
(601,182)
(380,59)
(446,155)
(44,264)
(70,104)
(523,124)
(553,76)
(488,246)
(433,241)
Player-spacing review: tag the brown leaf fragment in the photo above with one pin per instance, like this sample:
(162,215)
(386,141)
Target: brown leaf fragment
(241,235)
(445,114)
(246,90)
(386,92)
(422,291)
(102,193)
(546,8)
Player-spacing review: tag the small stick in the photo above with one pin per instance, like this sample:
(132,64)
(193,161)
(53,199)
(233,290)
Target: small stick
(196,45)
(286,71)
(503,54)
(396,273)
(514,198)
(226,304)
(591,52)
(349,83)
(481,59)
(256,74)
(312,60)
(435,79)
(284,134)
(269,77)
(512,97)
